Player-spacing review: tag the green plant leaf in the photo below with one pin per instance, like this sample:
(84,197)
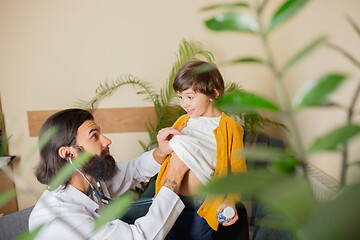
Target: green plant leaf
(6,196)
(263,153)
(3,146)
(41,143)
(281,193)
(247,184)
(248,60)
(3,140)
(292,198)
(286,11)
(286,166)
(244,102)
(315,93)
(337,218)
(68,170)
(233,21)
(335,138)
(225,5)
(304,52)
(27,235)
(113,211)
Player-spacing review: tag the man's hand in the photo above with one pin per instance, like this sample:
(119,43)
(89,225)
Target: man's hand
(163,138)
(175,173)
(224,205)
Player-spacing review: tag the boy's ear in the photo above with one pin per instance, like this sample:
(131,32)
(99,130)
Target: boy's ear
(216,93)
(64,152)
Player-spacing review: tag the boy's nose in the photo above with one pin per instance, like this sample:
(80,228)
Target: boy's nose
(185,103)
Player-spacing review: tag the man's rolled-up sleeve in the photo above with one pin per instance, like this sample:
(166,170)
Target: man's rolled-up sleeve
(162,215)
(131,173)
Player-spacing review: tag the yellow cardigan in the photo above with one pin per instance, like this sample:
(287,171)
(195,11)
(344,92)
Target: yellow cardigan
(229,139)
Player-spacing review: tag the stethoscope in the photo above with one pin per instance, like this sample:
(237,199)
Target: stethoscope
(102,196)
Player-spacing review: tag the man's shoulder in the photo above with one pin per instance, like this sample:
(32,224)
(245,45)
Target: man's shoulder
(60,205)
(60,201)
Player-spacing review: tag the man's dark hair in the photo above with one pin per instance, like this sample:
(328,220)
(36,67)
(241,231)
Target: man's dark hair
(202,76)
(65,123)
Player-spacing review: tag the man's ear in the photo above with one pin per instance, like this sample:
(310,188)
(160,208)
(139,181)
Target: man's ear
(64,152)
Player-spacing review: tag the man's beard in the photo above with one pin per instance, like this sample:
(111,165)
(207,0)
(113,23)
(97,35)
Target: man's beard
(101,167)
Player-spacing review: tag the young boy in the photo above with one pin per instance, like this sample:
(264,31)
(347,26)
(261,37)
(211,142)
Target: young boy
(208,147)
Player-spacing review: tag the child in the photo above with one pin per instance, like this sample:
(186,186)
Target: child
(208,147)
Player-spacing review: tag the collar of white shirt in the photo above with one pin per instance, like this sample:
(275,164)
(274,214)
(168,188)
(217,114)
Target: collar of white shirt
(73,195)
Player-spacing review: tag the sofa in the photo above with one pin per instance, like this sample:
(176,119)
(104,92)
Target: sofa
(14,224)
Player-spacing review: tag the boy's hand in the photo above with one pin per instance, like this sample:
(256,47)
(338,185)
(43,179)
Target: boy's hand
(228,204)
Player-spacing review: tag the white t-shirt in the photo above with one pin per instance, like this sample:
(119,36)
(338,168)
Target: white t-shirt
(197,146)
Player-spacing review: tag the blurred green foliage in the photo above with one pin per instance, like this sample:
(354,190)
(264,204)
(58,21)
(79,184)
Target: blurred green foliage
(278,187)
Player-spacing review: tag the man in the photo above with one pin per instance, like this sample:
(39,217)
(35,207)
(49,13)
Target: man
(69,212)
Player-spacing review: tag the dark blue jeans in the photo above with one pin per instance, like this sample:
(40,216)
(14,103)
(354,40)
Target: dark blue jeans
(189,224)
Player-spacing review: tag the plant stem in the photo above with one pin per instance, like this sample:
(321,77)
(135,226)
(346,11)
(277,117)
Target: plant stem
(345,54)
(282,94)
(345,151)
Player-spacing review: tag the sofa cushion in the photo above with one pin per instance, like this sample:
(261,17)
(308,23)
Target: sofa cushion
(14,224)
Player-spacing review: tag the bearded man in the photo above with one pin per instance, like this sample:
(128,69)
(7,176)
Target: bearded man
(70,211)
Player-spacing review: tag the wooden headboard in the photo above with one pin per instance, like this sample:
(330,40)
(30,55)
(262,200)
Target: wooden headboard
(111,120)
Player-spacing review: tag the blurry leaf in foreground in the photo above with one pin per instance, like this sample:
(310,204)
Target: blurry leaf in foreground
(41,143)
(68,170)
(29,235)
(247,184)
(286,11)
(248,60)
(336,219)
(287,166)
(225,5)
(335,138)
(3,140)
(315,93)
(244,102)
(261,153)
(292,198)
(113,211)
(6,196)
(233,21)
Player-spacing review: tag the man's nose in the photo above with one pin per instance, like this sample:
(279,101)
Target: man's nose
(106,141)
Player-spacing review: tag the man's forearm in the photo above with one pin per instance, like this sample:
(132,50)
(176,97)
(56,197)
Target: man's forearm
(173,179)
(173,185)
(159,156)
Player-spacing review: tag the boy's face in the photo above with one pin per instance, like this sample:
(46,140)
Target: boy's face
(197,104)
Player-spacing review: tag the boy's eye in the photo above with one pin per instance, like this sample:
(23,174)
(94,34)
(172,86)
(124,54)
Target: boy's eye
(190,97)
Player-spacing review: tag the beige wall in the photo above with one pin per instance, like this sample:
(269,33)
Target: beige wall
(53,52)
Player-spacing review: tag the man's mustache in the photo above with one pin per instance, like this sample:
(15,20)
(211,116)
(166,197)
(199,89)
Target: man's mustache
(105,152)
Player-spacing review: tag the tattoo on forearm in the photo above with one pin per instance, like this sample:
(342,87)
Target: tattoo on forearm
(171,184)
